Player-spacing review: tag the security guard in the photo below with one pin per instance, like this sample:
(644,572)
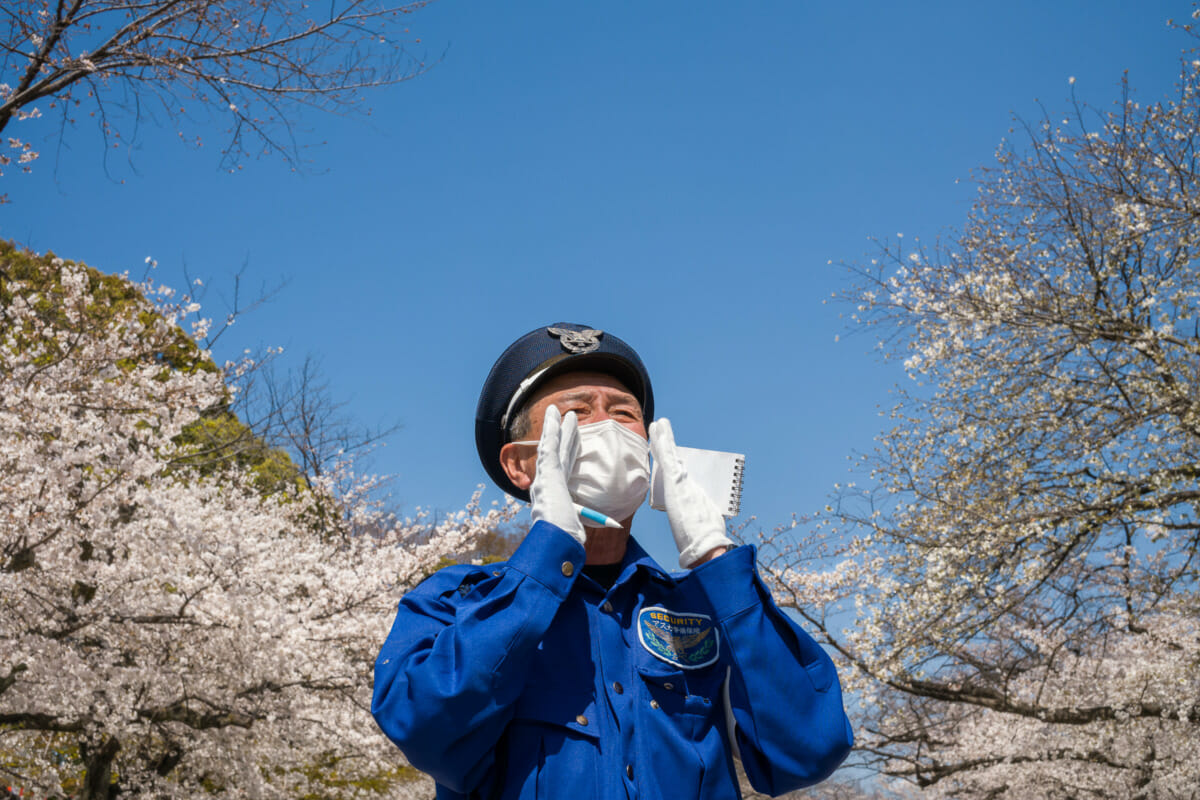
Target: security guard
(580,668)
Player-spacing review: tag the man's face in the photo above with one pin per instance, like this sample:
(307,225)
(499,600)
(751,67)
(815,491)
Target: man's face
(593,396)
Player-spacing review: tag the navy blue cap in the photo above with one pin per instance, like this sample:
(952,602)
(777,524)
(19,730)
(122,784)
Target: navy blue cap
(533,359)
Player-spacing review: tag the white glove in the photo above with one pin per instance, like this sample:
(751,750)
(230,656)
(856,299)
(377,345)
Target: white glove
(695,519)
(557,450)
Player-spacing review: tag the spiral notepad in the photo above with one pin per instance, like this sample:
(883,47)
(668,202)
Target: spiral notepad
(719,473)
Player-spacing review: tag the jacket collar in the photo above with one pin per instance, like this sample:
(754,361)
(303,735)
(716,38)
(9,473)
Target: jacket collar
(636,557)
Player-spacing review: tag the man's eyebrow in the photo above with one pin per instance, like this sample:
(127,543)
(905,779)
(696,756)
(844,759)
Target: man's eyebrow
(589,394)
(579,394)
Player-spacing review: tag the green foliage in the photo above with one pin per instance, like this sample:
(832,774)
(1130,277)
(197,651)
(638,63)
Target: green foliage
(55,748)
(496,545)
(218,440)
(325,773)
(499,544)
(114,297)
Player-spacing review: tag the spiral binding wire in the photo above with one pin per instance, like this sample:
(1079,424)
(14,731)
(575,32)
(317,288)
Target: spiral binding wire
(739,482)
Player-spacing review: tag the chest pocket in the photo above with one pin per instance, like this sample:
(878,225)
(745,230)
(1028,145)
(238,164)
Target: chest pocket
(572,711)
(552,745)
(678,691)
(683,725)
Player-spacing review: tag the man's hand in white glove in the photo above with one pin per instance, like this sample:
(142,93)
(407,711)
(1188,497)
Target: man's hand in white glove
(695,519)
(557,450)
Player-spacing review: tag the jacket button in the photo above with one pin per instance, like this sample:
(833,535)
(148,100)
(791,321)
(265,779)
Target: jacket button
(629,770)
(568,569)
(669,686)
(654,704)
(581,719)
(607,607)
(618,688)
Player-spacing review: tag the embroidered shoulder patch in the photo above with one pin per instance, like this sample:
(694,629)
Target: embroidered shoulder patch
(689,641)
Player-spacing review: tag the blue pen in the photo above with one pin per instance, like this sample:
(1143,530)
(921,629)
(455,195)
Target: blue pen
(595,516)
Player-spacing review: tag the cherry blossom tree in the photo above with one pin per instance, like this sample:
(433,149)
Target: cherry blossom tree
(1013,583)
(253,62)
(168,630)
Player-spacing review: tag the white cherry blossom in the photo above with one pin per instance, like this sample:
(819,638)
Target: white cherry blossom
(1014,598)
(164,629)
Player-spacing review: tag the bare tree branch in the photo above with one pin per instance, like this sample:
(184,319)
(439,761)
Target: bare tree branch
(257,62)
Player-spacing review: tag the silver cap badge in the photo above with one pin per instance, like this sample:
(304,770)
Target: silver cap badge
(584,341)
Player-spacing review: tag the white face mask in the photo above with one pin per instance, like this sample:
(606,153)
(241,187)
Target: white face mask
(612,472)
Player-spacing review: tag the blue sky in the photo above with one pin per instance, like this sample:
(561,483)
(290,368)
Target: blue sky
(676,173)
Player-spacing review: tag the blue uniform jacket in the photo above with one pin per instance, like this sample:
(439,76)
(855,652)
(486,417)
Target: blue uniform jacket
(525,679)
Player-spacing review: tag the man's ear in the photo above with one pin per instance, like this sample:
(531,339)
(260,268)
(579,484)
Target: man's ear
(511,463)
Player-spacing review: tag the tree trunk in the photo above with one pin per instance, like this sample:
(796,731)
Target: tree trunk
(97,775)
